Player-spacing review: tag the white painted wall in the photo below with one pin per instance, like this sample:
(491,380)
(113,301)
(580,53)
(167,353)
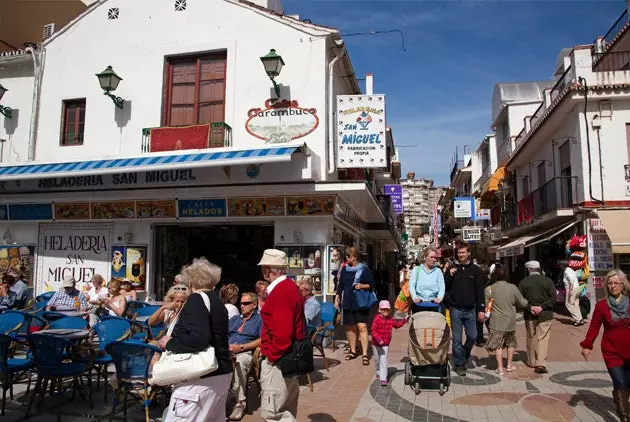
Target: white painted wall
(136,45)
(16,76)
(316,230)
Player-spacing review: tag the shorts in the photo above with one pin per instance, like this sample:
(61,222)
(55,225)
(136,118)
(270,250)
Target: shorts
(357,316)
(500,340)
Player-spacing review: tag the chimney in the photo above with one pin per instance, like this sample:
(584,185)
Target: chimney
(369,84)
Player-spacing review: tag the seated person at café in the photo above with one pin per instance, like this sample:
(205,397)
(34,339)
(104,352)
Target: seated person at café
(116,303)
(68,298)
(244,337)
(128,290)
(312,308)
(173,303)
(14,285)
(97,293)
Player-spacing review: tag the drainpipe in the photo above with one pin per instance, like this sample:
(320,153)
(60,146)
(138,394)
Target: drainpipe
(37,57)
(331,118)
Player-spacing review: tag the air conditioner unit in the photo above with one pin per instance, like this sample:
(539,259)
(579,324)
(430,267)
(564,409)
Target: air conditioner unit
(49,29)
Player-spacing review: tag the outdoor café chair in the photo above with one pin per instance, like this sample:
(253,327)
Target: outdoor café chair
(11,369)
(73,323)
(10,323)
(108,331)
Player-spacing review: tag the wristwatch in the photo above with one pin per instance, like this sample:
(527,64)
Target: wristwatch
(242,348)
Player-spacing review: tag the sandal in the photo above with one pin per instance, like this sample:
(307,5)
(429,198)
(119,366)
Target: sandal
(366,360)
(346,350)
(351,356)
(510,368)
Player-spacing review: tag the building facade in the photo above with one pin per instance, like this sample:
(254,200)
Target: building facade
(419,198)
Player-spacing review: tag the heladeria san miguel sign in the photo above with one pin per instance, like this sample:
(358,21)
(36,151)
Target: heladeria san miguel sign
(361,135)
(75,250)
(280,122)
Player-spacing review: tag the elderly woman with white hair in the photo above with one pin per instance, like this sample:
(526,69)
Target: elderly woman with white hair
(195,330)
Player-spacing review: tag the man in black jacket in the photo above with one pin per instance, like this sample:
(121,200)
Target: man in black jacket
(464,290)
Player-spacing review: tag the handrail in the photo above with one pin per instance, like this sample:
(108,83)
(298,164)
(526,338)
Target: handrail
(616,27)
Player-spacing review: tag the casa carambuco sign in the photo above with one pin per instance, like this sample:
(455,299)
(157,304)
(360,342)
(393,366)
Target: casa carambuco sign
(281,121)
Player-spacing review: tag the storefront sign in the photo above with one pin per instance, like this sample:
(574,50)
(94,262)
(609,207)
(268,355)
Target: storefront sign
(72,211)
(77,250)
(600,255)
(511,251)
(361,135)
(19,259)
(30,212)
(246,207)
(471,234)
(598,282)
(130,262)
(202,208)
(464,207)
(280,122)
(395,193)
(314,205)
(113,210)
(156,209)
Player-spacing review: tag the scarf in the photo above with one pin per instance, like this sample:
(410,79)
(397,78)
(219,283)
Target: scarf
(618,308)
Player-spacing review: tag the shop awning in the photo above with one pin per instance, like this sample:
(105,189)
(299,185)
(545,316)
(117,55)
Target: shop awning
(153,161)
(550,235)
(492,184)
(617,227)
(517,247)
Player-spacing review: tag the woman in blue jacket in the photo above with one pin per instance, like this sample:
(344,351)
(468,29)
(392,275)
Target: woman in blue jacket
(426,283)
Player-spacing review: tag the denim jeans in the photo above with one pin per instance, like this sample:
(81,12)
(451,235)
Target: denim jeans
(620,376)
(465,319)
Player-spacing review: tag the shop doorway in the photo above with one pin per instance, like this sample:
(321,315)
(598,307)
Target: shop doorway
(237,249)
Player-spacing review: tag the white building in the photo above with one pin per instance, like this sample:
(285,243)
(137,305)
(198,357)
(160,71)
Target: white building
(200,159)
(419,198)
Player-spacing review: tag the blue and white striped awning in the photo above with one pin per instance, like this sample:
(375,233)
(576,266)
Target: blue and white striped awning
(149,162)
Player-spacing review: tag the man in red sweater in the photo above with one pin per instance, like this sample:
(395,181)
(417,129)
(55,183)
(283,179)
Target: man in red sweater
(283,323)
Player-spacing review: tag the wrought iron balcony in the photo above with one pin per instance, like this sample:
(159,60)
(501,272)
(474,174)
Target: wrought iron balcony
(555,194)
(508,216)
(616,28)
(219,136)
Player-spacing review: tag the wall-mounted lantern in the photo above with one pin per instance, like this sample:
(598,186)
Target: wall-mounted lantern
(5,111)
(273,65)
(109,80)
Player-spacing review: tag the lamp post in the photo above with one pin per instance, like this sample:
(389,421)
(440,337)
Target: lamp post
(273,65)
(109,80)
(5,111)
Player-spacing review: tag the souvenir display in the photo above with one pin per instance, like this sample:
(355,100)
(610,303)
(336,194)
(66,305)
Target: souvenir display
(305,263)
(18,259)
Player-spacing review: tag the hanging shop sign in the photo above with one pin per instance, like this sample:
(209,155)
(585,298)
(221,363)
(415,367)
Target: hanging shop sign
(201,208)
(279,122)
(113,210)
(77,250)
(72,211)
(130,262)
(248,207)
(600,254)
(395,193)
(361,135)
(471,234)
(464,207)
(18,259)
(156,209)
(313,205)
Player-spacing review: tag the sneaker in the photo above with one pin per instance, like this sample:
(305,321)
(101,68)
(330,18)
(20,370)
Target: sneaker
(460,370)
(384,384)
(237,413)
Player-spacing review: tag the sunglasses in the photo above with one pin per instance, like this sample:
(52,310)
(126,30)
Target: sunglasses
(246,303)
(180,288)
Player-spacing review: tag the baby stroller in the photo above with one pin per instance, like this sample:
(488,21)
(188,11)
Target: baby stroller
(429,343)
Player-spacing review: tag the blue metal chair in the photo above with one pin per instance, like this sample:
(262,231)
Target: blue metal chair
(139,331)
(31,323)
(11,369)
(145,311)
(10,323)
(52,315)
(132,360)
(108,331)
(45,297)
(37,307)
(329,311)
(50,355)
(134,305)
(75,323)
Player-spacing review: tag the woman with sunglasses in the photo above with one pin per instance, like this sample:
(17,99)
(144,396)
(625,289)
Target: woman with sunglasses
(426,282)
(127,290)
(613,313)
(173,302)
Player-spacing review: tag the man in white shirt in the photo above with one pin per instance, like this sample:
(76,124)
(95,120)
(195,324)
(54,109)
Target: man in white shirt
(572,297)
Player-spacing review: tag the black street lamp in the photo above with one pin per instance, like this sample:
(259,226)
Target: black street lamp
(273,65)
(109,80)
(5,111)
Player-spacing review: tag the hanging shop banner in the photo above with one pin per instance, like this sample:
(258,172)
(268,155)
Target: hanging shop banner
(396,194)
(600,254)
(279,122)
(361,135)
(156,209)
(30,212)
(180,138)
(113,210)
(18,259)
(246,207)
(314,205)
(201,208)
(78,250)
(464,207)
(4,213)
(130,262)
(72,211)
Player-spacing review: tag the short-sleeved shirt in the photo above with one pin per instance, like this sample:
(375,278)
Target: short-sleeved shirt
(21,290)
(63,301)
(250,332)
(313,312)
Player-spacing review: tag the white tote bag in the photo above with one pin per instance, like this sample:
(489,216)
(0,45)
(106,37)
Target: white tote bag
(174,368)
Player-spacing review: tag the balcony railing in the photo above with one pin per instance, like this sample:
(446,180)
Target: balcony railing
(557,193)
(220,136)
(508,216)
(458,164)
(562,84)
(537,114)
(612,61)
(505,149)
(616,27)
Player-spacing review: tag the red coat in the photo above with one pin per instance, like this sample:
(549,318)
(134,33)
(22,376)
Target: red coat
(382,329)
(283,320)
(616,339)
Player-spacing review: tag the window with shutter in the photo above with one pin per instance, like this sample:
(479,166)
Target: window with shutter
(73,124)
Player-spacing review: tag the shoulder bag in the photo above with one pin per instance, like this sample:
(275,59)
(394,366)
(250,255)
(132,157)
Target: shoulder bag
(173,368)
(364,298)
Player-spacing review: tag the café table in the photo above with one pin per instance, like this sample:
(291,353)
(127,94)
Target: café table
(74,313)
(67,333)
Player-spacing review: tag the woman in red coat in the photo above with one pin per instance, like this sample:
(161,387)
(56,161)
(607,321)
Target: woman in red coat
(613,313)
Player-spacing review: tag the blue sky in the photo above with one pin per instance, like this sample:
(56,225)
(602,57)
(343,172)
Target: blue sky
(439,91)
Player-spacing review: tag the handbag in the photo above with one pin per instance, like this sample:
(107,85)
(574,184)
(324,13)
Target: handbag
(364,298)
(173,368)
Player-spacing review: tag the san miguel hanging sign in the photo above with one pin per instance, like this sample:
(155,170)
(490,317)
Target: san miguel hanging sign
(281,121)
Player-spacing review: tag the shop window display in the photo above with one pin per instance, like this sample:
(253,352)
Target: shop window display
(305,263)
